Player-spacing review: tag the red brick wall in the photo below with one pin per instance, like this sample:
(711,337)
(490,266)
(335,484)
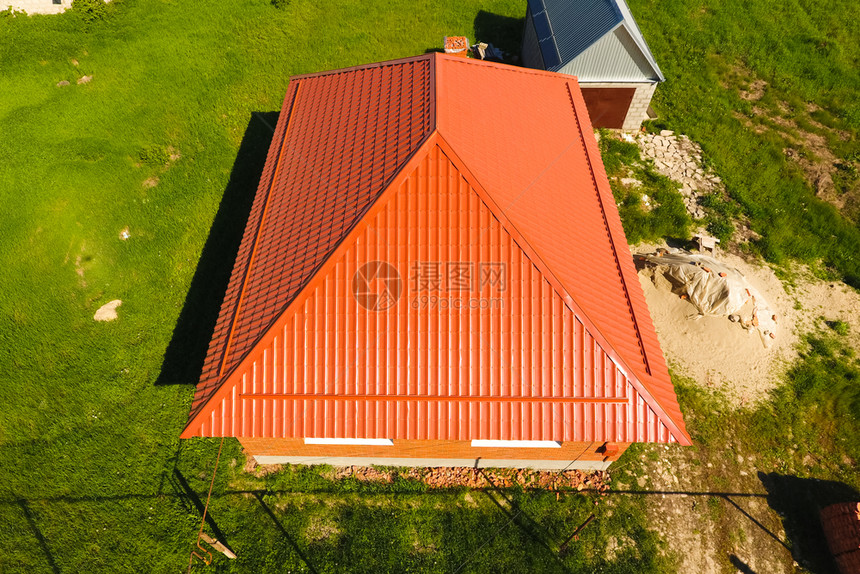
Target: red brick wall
(585,451)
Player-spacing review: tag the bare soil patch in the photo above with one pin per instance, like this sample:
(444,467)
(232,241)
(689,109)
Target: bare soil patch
(450,477)
(755,91)
(107,312)
(720,354)
(711,509)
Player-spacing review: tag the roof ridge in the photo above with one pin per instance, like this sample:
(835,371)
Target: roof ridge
(526,246)
(235,335)
(589,160)
(646,392)
(500,65)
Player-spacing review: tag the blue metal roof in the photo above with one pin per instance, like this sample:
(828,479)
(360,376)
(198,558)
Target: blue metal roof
(566,28)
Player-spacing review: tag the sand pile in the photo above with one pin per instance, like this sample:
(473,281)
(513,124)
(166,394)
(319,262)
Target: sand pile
(712,288)
(717,352)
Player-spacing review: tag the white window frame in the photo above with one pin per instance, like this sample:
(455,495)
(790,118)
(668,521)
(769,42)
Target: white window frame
(351,441)
(517,443)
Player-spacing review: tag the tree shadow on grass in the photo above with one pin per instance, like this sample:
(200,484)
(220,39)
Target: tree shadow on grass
(503,32)
(183,359)
(799,501)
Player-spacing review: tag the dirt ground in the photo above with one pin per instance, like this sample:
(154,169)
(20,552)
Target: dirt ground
(712,524)
(710,505)
(720,354)
(806,144)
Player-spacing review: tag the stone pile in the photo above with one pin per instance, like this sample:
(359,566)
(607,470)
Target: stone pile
(680,159)
(484,478)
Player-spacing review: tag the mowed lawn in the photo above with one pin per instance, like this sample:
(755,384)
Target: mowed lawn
(176,115)
(92,475)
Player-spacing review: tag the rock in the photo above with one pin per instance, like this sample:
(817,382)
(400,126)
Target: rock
(107,312)
(85,80)
(62,83)
(666,133)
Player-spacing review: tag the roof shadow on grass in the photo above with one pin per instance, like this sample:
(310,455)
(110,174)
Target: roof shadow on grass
(798,501)
(183,359)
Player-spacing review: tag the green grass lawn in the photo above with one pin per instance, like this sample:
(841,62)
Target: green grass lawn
(807,53)
(92,475)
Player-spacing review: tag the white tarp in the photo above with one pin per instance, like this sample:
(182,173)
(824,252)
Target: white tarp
(713,288)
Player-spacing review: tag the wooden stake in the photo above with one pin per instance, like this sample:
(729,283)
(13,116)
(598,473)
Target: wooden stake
(216,544)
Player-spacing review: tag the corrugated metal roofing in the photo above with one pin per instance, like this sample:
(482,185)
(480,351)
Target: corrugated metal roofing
(636,33)
(570,355)
(311,192)
(613,58)
(567,28)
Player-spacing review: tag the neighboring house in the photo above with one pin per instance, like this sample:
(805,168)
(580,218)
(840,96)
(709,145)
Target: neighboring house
(599,42)
(434,273)
(38,6)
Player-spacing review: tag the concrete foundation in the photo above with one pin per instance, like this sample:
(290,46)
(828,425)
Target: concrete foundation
(434,462)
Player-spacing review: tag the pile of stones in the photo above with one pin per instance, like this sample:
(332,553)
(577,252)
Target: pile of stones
(680,159)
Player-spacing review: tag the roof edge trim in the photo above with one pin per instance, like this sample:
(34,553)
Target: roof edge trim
(646,52)
(252,258)
(634,31)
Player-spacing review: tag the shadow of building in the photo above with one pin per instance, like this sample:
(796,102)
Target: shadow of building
(183,359)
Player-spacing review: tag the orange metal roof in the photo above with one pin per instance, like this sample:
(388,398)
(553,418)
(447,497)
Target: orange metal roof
(335,149)
(436,161)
